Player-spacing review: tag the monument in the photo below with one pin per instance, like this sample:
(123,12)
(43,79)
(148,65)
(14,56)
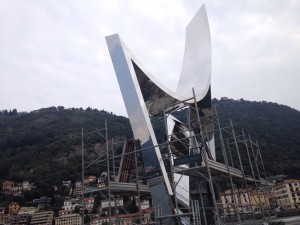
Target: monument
(146,97)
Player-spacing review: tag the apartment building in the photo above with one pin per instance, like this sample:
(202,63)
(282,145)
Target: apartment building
(13,208)
(28,210)
(4,219)
(21,219)
(259,200)
(42,218)
(243,201)
(90,179)
(116,202)
(71,219)
(42,202)
(78,189)
(10,187)
(89,203)
(7,185)
(71,203)
(288,194)
(115,220)
(239,199)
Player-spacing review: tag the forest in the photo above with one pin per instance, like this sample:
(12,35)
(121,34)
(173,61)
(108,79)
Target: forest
(43,146)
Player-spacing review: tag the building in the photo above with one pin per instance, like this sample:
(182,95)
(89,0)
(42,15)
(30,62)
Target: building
(28,210)
(102,179)
(42,218)
(16,190)
(4,219)
(13,208)
(100,221)
(66,183)
(117,202)
(288,194)
(7,185)
(144,216)
(71,219)
(243,201)
(43,202)
(88,203)
(70,203)
(90,179)
(23,219)
(69,206)
(78,189)
(126,219)
(144,204)
(26,186)
(239,200)
(259,201)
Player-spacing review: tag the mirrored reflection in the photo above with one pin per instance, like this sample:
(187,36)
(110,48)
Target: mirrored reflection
(146,97)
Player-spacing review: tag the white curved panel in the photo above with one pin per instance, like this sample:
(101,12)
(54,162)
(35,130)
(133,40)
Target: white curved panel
(196,67)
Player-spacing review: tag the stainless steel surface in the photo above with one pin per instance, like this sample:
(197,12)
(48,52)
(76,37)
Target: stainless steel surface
(140,122)
(196,67)
(145,96)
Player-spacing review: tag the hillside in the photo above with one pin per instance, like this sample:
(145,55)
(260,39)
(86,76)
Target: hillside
(275,127)
(43,146)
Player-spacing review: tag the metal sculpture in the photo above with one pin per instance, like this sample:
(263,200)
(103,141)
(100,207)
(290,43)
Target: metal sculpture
(145,96)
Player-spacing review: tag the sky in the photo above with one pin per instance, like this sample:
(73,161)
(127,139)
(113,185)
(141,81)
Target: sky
(53,53)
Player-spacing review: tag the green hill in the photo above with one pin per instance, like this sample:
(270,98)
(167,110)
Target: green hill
(275,127)
(44,146)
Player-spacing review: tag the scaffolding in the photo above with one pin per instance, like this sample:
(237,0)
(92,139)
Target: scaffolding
(231,189)
(238,167)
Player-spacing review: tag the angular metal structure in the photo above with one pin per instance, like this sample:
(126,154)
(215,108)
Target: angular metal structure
(145,96)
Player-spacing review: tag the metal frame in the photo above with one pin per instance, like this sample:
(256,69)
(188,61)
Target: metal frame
(143,94)
(144,97)
(220,172)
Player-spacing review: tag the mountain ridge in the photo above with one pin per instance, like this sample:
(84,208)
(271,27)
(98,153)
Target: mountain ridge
(43,146)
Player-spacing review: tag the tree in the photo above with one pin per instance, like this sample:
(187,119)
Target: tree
(97,202)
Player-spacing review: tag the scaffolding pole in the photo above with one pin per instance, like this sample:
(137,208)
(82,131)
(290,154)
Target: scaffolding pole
(108,173)
(227,167)
(240,160)
(215,211)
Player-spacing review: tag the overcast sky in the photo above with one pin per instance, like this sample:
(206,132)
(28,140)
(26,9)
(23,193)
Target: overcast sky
(53,53)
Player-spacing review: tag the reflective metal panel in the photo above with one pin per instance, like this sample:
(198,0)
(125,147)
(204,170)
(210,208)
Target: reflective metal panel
(140,122)
(145,96)
(196,67)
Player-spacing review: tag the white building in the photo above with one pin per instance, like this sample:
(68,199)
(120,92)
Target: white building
(28,210)
(70,204)
(42,218)
(71,219)
(117,202)
(26,186)
(288,194)
(239,200)
(242,201)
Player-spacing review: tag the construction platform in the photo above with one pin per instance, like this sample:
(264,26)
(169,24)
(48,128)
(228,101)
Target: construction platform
(219,171)
(119,187)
